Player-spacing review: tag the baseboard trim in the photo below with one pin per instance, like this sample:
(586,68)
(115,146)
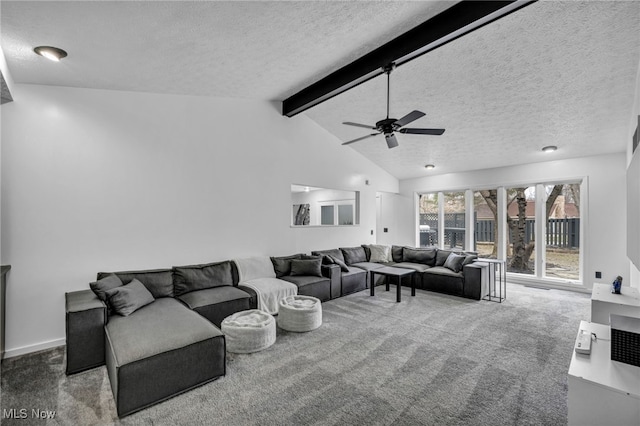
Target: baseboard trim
(11,353)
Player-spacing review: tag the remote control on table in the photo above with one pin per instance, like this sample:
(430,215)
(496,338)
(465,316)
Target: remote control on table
(583,342)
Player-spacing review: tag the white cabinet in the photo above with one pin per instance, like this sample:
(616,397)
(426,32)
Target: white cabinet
(601,391)
(603,303)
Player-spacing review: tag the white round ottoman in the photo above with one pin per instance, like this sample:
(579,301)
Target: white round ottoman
(300,313)
(249,331)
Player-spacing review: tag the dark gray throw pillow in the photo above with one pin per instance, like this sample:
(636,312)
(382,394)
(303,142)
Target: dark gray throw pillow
(343,266)
(311,267)
(469,258)
(200,277)
(441,257)
(158,281)
(128,298)
(353,255)
(336,253)
(454,262)
(282,264)
(396,253)
(416,255)
(104,284)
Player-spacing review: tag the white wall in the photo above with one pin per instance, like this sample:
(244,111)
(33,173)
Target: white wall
(604,238)
(101,180)
(634,123)
(4,69)
(390,217)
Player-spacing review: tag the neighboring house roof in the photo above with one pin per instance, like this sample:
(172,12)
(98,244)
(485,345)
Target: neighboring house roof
(570,210)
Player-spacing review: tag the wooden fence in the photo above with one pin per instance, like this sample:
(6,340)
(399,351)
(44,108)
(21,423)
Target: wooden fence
(562,233)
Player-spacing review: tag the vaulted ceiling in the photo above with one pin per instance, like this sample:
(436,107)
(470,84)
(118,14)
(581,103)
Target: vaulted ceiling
(554,73)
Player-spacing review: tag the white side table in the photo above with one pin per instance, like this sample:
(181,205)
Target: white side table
(601,391)
(603,303)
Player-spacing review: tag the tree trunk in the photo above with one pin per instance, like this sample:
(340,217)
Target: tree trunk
(575,194)
(551,199)
(302,215)
(522,250)
(491,198)
(518,227)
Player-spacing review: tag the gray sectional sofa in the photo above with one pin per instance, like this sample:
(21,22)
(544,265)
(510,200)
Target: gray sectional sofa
(461,277)
(309,274)
(158,332)
(170,342)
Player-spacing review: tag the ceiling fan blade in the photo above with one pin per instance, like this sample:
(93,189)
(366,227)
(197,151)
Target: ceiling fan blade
(411,131)
(392,142)
(366,126)
(412,116)
(360,138)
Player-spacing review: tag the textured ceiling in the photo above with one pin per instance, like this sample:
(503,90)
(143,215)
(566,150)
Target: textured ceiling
(260,50)
(554,73)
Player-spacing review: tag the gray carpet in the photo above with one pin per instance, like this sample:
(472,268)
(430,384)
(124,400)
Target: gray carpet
(429,360)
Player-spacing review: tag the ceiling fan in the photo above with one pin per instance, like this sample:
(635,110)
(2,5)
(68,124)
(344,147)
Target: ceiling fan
(390,125)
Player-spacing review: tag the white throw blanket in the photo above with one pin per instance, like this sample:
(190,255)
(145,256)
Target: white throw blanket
(270,291)
(251,268)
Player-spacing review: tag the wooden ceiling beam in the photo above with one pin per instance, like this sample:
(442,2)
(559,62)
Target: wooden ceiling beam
(460,19)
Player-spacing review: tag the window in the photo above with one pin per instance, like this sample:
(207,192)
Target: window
(454,220)
(337,212)
(521,219)
(326,215)
(429,220)
(345,214)
(485,208)
(536,228)
(562,233)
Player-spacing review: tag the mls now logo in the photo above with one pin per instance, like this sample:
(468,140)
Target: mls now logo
(14,413)
(23,413)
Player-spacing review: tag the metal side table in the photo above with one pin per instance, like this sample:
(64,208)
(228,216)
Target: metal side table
(497,291)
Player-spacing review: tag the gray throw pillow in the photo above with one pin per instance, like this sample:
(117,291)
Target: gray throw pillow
(158,281)
(396,253)
(128,298)
(353,255)
(343,266)
(312,267)
(419,255)
(454,262)
(441,257)
(380,253)
(199,277)
(102,285)
(282,264)
(470,258)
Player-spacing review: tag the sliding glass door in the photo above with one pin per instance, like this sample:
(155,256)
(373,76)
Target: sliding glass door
(536,228)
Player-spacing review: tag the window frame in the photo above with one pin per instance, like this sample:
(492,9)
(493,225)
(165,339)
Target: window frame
(539,275)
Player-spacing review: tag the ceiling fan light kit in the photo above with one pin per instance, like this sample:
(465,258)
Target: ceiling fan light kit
(390,125)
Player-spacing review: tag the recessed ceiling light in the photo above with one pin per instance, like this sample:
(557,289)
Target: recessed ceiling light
(549,148)
(51,53)
(429,166)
